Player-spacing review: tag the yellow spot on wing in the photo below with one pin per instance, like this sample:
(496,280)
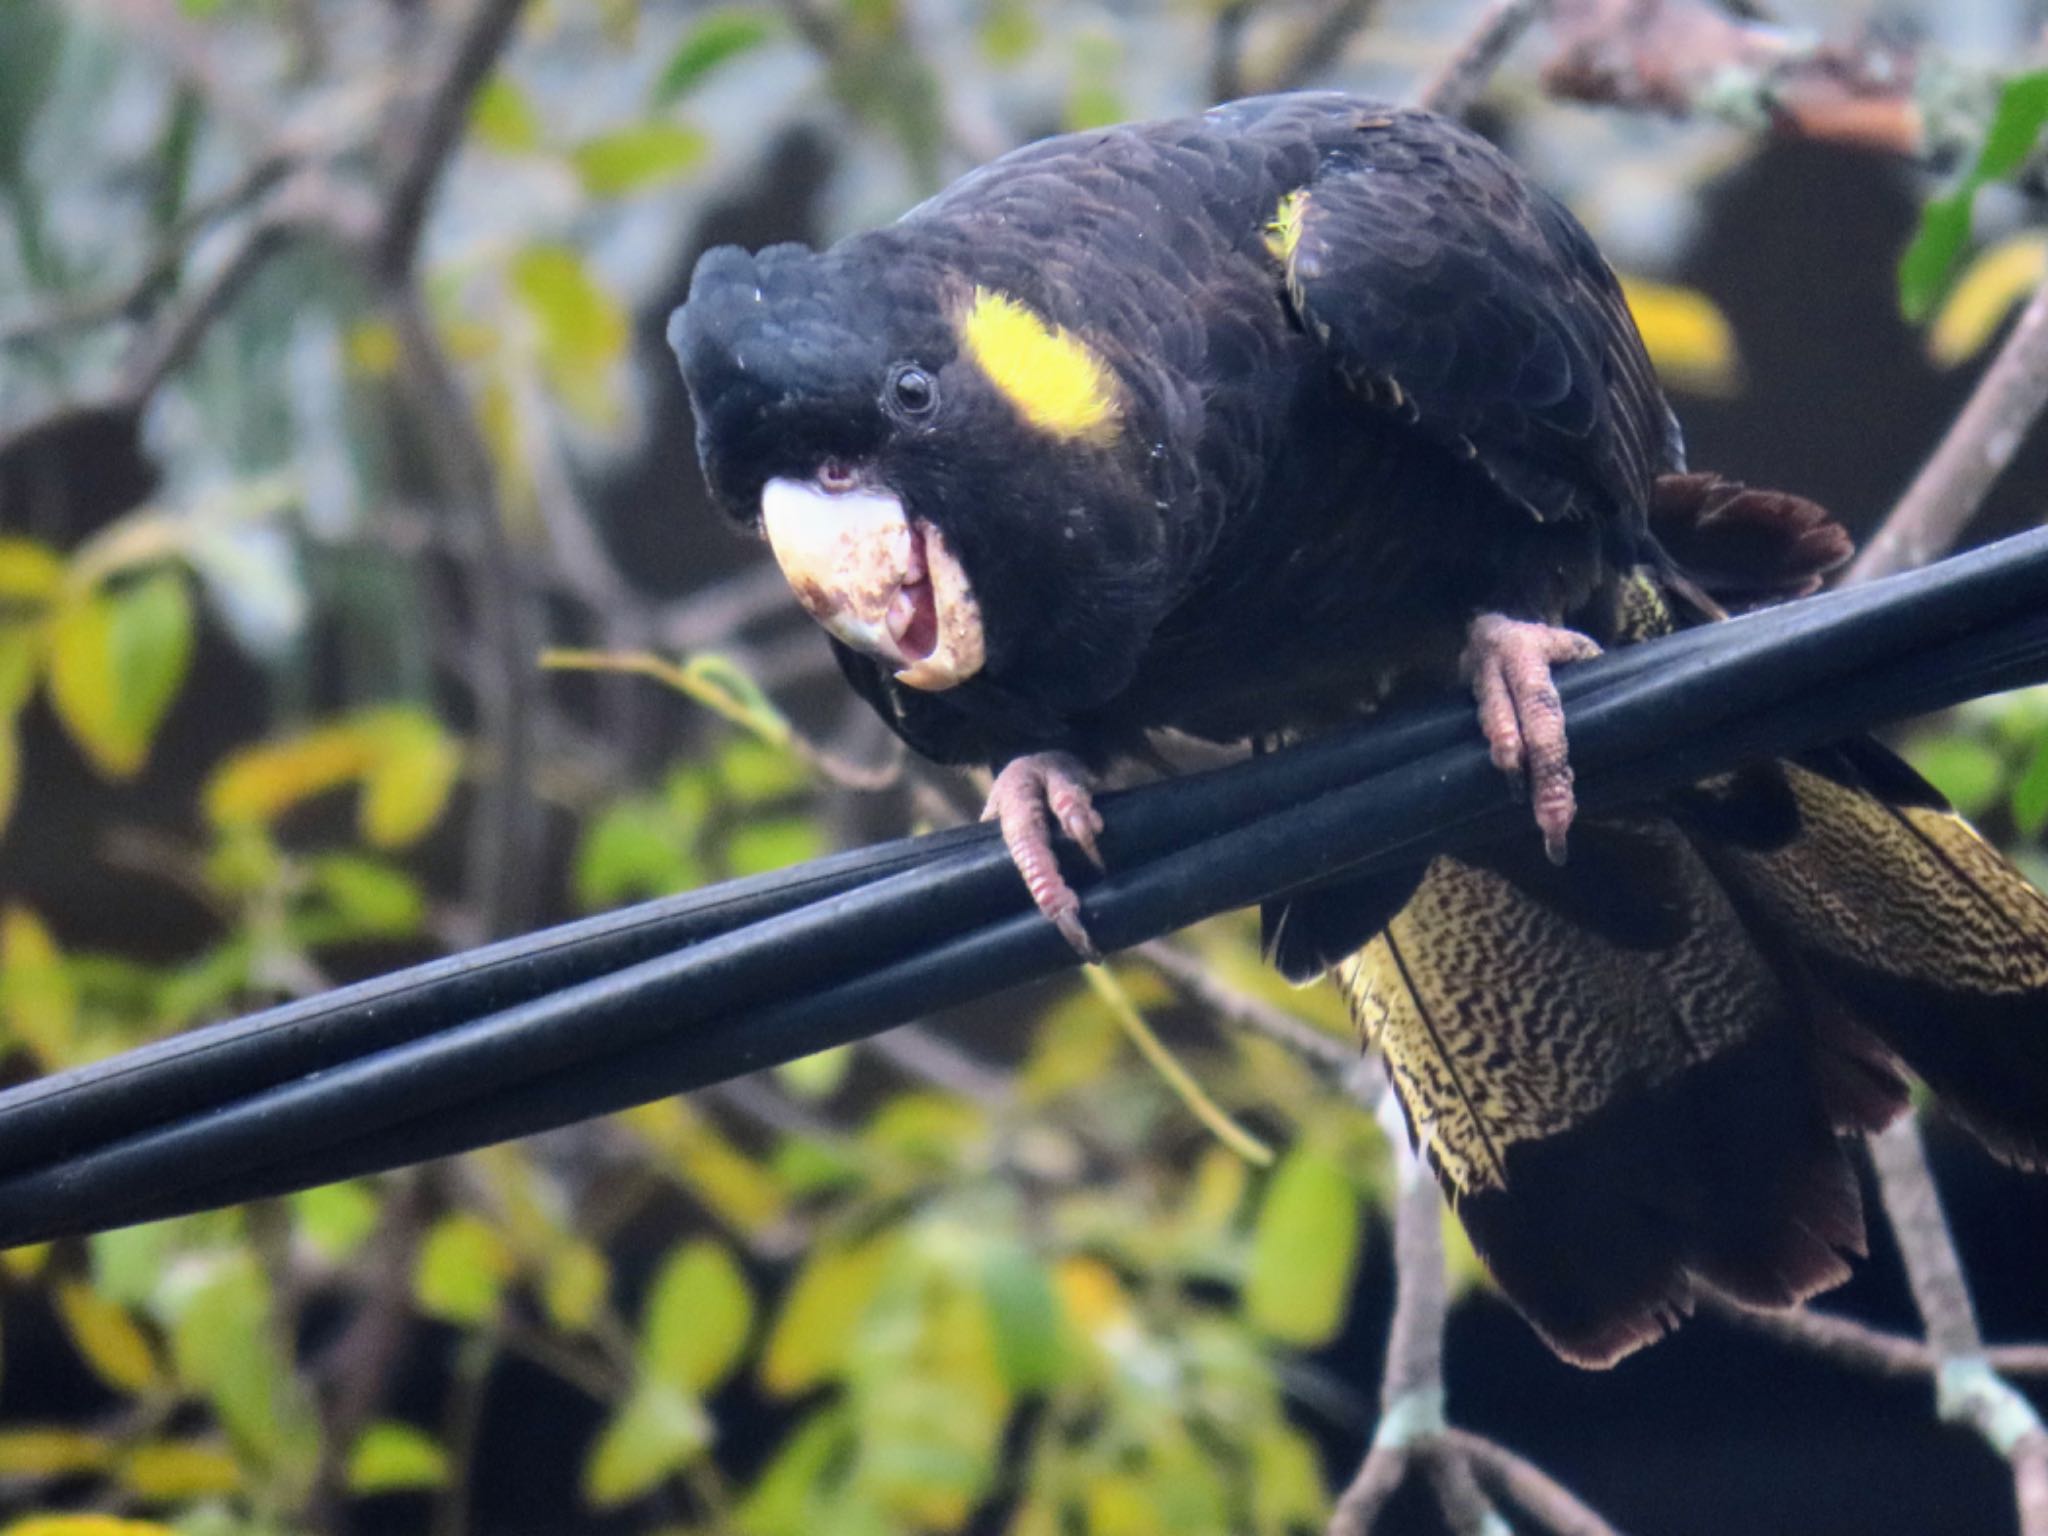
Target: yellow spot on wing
(1056,381)
(1283,230)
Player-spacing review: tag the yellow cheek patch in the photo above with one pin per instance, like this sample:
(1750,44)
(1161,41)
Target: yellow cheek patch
(1283,230)
(1053,378)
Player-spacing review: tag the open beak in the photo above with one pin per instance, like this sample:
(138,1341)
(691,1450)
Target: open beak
(877,579)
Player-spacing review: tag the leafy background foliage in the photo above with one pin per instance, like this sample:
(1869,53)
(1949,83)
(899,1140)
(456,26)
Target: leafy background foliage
(273,715)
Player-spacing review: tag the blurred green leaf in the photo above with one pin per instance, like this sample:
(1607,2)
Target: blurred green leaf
(356,898)
(1023,1315)
(755,772)
(2030,792)
(818,1075)
(1008,33)
(659,1430)
(38,997)
(632,850)
(462,1269)
(1287,1482)
(504,117)
(1963,768)
(821,1311)
(117,660)
(128,1263)
(639,158)
(390,1457)
(798,1486)
(1304,1250)
(223,1345)
(337,1219)
(580,328)
(698,1318)
(718,37)
(1944,229)
(577,1281)
(770,843)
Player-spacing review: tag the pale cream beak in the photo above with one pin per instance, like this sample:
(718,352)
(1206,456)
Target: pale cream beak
(877,580)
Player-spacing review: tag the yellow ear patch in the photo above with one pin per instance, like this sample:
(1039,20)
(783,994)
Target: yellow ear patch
(1283,230)
(1056,381)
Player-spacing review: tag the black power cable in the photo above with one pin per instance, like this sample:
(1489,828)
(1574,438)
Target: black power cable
(537,1032)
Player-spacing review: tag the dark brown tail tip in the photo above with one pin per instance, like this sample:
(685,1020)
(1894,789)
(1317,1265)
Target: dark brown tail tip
(1746,547)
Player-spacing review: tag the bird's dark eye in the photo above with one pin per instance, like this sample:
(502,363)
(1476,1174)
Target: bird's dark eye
(912,391)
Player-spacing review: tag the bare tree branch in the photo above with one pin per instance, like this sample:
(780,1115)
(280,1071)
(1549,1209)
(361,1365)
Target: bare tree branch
(1528,1488)
(1322,44)
(1974,452)
(437,119)
(1968,1390)
(1681,57)
(1457,84)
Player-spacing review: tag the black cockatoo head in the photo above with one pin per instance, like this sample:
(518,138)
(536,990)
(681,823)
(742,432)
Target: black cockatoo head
(953,481)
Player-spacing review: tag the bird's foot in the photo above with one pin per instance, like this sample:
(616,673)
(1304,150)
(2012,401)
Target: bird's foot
(1024,792)
(1507,662)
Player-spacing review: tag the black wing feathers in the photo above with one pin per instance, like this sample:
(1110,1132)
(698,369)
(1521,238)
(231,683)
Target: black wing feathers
(1455,292)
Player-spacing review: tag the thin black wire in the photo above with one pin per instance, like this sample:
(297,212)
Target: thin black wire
(775,968)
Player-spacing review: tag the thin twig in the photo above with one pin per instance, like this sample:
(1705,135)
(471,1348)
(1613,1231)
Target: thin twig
(157,270)
(1863,1348)
(1226,50)
(1455,86)
(1322,44)
(1411,1442)
(1538,1495)
(1974,452)
(442,109)
(1968,1390)
(1241,1010)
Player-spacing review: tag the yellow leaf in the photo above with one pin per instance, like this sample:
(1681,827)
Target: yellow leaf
(462,1269)
(658,1430)
(1994,284)
(578,1279)
(1689,338)
(821,1313)
(736,1188)
(177,1471)
(26,1262)
(404,759)
(1092,1295)
(38,999)
(638,158)
(42,1453)
(84,1525)
(30,573)
(117,660)
(260,783)
(107,1337)
(371,349)
(10,771)
(504,118)
(581,329)
(392,1456)
(409,778)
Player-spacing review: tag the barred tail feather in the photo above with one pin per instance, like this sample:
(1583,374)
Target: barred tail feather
(1922,933)
(1615,1086)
